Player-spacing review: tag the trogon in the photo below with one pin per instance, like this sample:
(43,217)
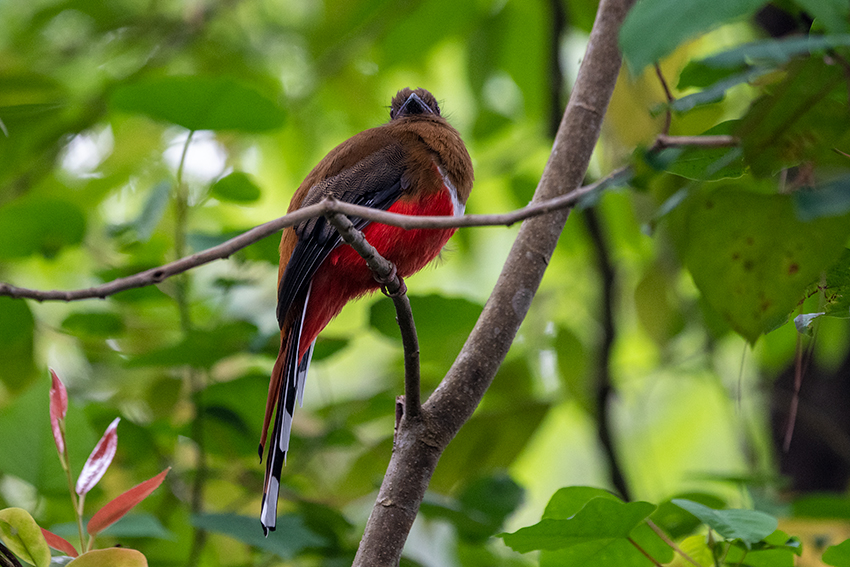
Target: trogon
(415,164)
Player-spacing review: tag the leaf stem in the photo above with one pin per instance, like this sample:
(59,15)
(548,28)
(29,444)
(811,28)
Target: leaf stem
(77,504)
(643,551)
(670,542)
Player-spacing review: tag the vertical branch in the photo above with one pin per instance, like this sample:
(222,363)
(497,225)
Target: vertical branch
(419,443)
(604,388)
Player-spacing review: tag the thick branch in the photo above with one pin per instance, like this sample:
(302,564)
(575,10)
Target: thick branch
(327,207)
(419,444)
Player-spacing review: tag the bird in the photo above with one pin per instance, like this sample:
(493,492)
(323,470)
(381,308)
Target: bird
(415,164)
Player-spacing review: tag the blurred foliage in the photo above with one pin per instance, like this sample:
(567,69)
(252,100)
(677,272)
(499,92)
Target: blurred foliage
(133,132)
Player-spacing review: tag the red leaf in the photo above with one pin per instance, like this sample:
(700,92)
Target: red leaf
(59,543)
(99,460)
(58,407)
(115,510)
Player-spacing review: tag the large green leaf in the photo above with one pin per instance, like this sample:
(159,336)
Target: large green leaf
(750,526)
(751,257)
(201,103)
(766,53)
(603,532)
(798,120)
(681,19)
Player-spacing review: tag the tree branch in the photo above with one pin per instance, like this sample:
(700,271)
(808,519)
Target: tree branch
(327,207)
(394,288)
(419,444)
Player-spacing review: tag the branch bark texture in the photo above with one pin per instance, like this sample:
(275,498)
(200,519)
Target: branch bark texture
(421,440)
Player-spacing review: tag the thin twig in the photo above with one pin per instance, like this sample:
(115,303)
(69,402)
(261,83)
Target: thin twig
(720,141)
(668,120)
(670,542)
(226,249)
(385,273)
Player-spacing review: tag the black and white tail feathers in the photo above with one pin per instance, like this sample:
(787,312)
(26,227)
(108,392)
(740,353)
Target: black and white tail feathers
(294,378)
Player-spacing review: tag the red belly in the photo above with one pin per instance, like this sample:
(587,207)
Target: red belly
(344,275)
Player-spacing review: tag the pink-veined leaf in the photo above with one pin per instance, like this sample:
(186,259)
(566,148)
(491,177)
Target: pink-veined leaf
(115,510)
(58,407)
(99,460)
(59,543)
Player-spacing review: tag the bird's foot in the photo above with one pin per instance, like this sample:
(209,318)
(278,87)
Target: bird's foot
(390,280)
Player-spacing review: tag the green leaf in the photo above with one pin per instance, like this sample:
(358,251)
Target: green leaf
(715,91)
(39,225)
(598,525)
(767,53)
(678,523)
(751,257)
(237,187)
(201,103)
(94,324)
(23,537)
(568,501)
(247,530)
(682,21)
(750,526)
(799,119)
(703,164)
(838,555)
(833,15)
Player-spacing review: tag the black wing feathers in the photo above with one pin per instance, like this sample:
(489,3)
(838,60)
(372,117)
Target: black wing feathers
(376,181)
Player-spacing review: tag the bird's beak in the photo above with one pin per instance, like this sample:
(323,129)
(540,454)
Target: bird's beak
(415,105)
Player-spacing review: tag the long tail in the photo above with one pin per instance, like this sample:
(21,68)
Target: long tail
(287,386)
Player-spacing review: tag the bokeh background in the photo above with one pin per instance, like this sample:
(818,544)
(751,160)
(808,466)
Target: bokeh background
(136,132)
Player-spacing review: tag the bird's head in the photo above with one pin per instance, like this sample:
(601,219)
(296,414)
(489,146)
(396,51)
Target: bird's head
(408,102)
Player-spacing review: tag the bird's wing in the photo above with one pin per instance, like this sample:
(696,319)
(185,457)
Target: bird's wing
(377,181)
